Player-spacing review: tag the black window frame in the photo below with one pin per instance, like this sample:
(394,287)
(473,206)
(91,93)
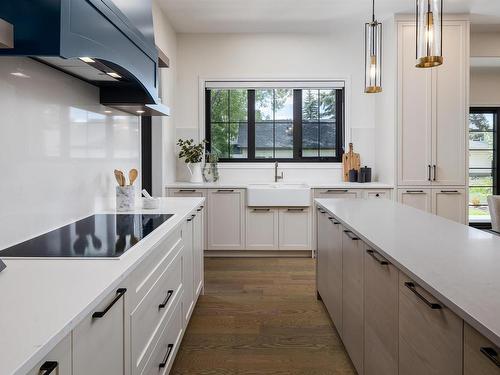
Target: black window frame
(297,129)
(496,157)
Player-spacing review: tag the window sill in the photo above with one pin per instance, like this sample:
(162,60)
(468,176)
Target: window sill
(282,165)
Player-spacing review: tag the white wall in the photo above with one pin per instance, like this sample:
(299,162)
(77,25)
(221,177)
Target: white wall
(58,149)
(485,44)
(276,56)
(485,87)
(164,157)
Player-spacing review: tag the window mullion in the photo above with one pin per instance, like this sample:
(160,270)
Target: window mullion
(297,124)
(251,124)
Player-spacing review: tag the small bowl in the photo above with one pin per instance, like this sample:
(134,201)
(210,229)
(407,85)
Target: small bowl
(150,203)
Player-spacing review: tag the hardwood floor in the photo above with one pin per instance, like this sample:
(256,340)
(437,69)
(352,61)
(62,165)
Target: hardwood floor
(260,316)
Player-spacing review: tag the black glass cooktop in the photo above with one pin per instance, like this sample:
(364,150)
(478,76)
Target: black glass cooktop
(97,236)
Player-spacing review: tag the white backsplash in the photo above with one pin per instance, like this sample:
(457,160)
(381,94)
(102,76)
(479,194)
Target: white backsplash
(58,149)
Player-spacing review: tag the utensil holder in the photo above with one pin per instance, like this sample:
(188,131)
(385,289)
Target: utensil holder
(125,198)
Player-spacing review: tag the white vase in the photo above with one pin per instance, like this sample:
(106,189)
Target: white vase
(195,172)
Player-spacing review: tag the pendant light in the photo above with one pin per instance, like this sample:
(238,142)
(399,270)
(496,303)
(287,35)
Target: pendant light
(373,55)
(429,33)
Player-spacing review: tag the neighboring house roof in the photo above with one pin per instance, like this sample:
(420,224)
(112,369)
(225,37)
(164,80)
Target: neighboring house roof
(284,135)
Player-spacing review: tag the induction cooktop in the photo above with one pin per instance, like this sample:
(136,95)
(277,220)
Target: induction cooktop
(96,236)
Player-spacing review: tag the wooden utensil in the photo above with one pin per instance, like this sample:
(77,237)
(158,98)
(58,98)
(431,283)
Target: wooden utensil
(350,160)
(132,175)
(120,178)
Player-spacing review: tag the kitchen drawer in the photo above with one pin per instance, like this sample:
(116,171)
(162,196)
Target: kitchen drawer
(59,359)
(374,194)
(430,338)
(481,357)
(155,307)
(337,193)
(167,345)
(147,273)
(186,192)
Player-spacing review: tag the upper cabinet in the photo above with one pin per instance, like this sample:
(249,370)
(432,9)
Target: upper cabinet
(61,32)
(432,109)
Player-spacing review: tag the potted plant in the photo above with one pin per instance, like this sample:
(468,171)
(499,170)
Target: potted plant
(193,155)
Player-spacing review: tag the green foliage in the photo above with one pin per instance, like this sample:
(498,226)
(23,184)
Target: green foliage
(193,153)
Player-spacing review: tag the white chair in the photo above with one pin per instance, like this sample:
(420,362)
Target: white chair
(494,205)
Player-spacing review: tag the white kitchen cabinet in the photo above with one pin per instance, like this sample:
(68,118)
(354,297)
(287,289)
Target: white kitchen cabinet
(198,250)
(430,335)
(295,228)
(226,219)
(188,269)
(337,193)
(416,198)
(376,194)
(450,204)
(98,341)
(432,109)
(381,315)
(334,271)
(481,356)
(322,255)
(262,228)
(57,362)
(186,192)
(352,297)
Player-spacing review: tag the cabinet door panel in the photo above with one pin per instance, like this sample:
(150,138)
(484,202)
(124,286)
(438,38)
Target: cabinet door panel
(226,219)
(377,194)
(262,228)
(450,204)
(414,112)
(295,229)
(198,226)
(450,120)
(188,270)
(98,343)
(479,354)
(337,193)
(322,255)
(381,315)
(334,273)
(430,340)
(61,354)
(352,298)
(416,198)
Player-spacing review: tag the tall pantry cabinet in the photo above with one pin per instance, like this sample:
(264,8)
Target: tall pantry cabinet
(432,117)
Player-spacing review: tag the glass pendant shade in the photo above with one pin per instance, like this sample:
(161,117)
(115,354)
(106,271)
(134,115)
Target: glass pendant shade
(429,33)
(373,57)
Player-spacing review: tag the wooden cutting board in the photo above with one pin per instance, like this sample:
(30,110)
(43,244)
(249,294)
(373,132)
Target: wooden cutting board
(350,160)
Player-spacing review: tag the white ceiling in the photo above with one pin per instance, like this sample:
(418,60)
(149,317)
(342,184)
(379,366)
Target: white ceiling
(226,16)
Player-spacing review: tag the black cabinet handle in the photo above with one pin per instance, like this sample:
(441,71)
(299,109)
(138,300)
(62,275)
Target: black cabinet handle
(167,355)
(187,191)
(450,191)
(333,221)
(337,191)
(414,191)
(225,191)
(48,367)
(191,218)
(491,354)
(429,173)
(295,210)
(165,301)
(435,172)
(261,210)
(432,305)
(119,293)
(351,235)
(380,261)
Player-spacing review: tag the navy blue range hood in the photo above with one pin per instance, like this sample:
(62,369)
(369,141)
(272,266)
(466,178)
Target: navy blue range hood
(95,41)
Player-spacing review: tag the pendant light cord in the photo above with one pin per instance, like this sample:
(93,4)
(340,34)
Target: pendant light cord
(373,11)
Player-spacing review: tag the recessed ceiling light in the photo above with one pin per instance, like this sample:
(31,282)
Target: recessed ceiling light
(19,74)
(87,59)
(140,111)
(113,74)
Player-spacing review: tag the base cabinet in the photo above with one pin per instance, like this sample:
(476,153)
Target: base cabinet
(416,198)
(352,297)
(294,229)
(334,231)
(262,228)
(430,335)
(381,315)
(58,361)
(481,357)
(98,341)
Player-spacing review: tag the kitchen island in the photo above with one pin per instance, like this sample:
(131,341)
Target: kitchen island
(106,316)
(408,291)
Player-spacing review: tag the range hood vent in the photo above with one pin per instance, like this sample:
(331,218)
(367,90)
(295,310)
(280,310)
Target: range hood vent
(94,41)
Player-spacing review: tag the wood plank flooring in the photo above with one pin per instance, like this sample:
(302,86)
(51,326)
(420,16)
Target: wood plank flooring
(261,316)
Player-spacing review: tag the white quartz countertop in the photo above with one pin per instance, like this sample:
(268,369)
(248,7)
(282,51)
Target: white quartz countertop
(42,300)
(457,264)
(228,185)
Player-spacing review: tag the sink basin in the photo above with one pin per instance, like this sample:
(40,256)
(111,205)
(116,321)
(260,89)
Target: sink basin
(279,195)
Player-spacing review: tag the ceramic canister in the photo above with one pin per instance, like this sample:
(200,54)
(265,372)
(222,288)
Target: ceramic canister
(125,198)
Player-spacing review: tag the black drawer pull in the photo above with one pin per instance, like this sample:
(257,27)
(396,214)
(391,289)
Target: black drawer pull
(380,261)
(491,354)
(295,210)
(429,173)
(119,293)
(167,355)
(337,191)
(322,211)
(191,218)
(187,191)
(333,221)
(225,191)
(261,210)
(432,305)
(48,367)
(450,191)
(414,192)
(351,235)
(167,298)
